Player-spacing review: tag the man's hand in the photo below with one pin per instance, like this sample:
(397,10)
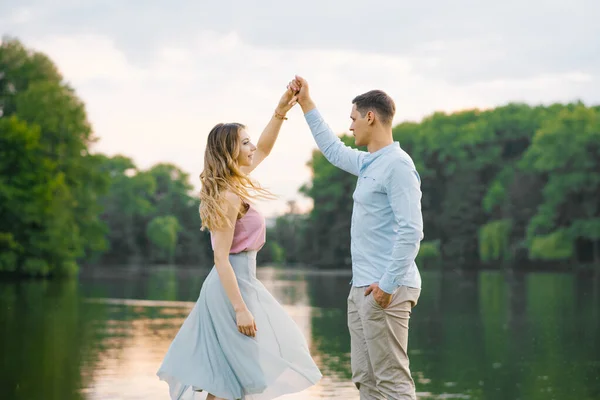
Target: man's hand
(382,298)
(300,86)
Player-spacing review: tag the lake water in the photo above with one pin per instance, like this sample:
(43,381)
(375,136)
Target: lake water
(477,335)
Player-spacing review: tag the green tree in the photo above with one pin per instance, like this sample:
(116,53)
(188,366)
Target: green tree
(174,196)
(19,67)
(327,236)
(126,208)
(66,136)
(37,232)
(136,198)
(162,233)
(63,224)
(566,151)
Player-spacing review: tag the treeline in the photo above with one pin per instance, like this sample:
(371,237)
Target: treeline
(511,184)
(515,184)
(151,216)
(60,205)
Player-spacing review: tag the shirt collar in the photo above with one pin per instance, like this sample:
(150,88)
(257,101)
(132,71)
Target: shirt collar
(370,157)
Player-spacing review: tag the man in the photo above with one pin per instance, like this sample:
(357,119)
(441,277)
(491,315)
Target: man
(386,231)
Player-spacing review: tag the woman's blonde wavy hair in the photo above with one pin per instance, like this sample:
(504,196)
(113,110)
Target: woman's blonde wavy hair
(222,173)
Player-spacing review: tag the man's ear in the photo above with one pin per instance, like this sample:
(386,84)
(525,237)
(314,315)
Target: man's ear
(370,117)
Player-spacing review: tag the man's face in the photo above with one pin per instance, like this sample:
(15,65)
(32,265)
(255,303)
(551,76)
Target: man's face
(359,127)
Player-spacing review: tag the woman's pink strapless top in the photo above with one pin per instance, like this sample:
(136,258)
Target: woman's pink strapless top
(250,232)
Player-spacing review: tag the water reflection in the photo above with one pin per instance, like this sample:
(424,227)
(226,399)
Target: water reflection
(47,341)
(486,335)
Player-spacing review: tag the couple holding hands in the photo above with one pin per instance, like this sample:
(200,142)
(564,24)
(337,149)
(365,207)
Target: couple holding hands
(238,342)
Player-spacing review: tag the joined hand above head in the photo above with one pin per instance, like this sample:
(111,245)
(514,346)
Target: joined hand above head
(300,87)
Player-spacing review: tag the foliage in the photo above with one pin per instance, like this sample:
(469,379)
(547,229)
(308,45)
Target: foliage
(494,240)
(49,181)
(327,234)
(566,151)
(554,246)
(162,232)
(39,233)
(152,215)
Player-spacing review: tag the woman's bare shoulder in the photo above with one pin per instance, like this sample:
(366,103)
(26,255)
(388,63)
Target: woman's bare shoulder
(232,199)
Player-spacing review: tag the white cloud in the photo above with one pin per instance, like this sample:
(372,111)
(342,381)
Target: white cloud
(21,15)
(84,58)
(579,77)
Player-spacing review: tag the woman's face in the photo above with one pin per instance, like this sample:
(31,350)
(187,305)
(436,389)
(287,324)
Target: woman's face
(247,149)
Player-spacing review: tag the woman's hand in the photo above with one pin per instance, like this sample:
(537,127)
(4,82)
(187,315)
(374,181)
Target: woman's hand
(287,101)
(246,323)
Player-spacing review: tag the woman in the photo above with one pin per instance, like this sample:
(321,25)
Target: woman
(238,342)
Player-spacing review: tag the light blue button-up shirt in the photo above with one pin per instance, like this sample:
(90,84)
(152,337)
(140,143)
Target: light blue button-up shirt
(387,224)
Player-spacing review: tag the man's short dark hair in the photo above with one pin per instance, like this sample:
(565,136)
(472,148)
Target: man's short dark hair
(377,101)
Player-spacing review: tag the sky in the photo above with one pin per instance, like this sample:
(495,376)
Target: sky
(156,76)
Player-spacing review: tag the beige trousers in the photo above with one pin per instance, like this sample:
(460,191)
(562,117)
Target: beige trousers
(379,344)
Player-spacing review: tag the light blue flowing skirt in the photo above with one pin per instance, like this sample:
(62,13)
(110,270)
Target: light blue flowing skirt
(209,354)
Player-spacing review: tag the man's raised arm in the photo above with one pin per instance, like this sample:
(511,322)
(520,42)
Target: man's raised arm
(336,152)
